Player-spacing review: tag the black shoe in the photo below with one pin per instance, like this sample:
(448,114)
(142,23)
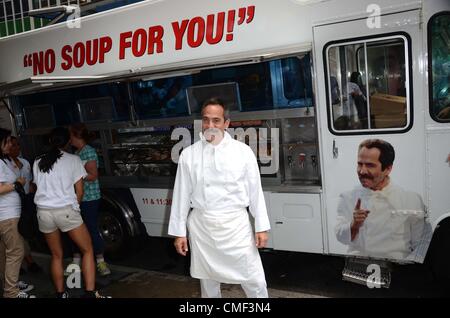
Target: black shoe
(93,294)
(64,294)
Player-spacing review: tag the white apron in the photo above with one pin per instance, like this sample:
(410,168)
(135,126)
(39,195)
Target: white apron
(223,247)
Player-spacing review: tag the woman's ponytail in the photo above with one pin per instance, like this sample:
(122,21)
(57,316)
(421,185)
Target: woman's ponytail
(59,138)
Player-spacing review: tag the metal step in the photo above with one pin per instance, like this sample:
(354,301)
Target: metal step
(368,272)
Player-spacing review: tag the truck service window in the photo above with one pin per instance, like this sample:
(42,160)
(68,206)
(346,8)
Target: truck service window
(368,85)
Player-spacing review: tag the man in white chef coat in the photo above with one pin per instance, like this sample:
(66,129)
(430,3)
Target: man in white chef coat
(217,179)
(378,218)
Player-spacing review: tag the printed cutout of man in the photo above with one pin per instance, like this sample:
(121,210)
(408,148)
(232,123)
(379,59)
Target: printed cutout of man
(378,218)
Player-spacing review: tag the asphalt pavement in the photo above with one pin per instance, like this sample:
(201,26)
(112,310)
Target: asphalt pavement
(156,271)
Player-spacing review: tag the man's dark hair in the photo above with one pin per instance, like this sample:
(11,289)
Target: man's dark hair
(355,77)
(217,101)
(387,152)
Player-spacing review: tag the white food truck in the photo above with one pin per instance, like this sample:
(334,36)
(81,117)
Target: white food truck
(306,81)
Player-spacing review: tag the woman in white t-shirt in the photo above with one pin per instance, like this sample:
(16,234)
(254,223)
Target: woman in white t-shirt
(59,179)
(10,208)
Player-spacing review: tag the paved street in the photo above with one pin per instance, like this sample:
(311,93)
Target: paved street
(129,282)
(156,271)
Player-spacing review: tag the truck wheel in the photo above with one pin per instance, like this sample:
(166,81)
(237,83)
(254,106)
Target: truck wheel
(114,232)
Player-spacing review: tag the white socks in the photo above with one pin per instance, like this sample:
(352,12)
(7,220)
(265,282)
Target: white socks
(76,260)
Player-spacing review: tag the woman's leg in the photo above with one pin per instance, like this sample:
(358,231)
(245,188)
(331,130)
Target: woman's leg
(56,268)
(80,236)
(89,212)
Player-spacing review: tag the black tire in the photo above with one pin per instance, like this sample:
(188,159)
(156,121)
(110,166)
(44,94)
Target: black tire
(114,231)
(439,253)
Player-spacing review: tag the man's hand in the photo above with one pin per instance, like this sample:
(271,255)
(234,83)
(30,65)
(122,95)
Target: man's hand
(261,239)
(359,216)
(181,245)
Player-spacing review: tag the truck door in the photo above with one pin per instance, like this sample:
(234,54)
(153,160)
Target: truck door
(369,86)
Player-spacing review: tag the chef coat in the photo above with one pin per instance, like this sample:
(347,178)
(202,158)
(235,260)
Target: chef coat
(395,228)
(223,177)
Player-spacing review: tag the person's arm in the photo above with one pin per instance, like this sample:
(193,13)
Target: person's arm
(421,232)
(78,174)
(344,219)
(28,176)
(181,245)
(33,187)
(79,190)
(89,156)
(261,239)
(6,187)
(349,219)
(33,184)
(92,171)
(257,205)
(181,199)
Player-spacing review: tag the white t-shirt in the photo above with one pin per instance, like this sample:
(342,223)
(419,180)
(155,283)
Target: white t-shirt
(55,189)
(24,172)
(352,88)
(10,204)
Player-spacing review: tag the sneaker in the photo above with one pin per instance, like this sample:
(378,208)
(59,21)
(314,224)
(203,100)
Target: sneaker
(64,294)
(103,269)
(93,294)
(72,268)
(22,294)
(24,287)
